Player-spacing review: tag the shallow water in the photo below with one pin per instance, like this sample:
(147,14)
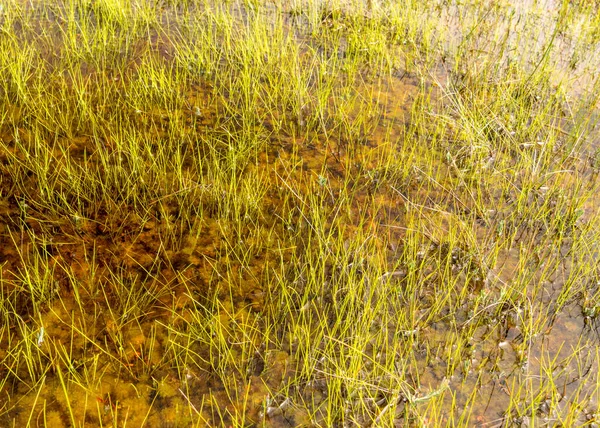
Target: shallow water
(144,276)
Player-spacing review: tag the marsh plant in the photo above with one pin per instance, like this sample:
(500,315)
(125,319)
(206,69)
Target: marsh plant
(306,213)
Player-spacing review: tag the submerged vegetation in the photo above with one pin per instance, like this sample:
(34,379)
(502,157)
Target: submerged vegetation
(303,213)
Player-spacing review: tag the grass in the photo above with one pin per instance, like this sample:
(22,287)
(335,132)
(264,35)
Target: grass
(341,213)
